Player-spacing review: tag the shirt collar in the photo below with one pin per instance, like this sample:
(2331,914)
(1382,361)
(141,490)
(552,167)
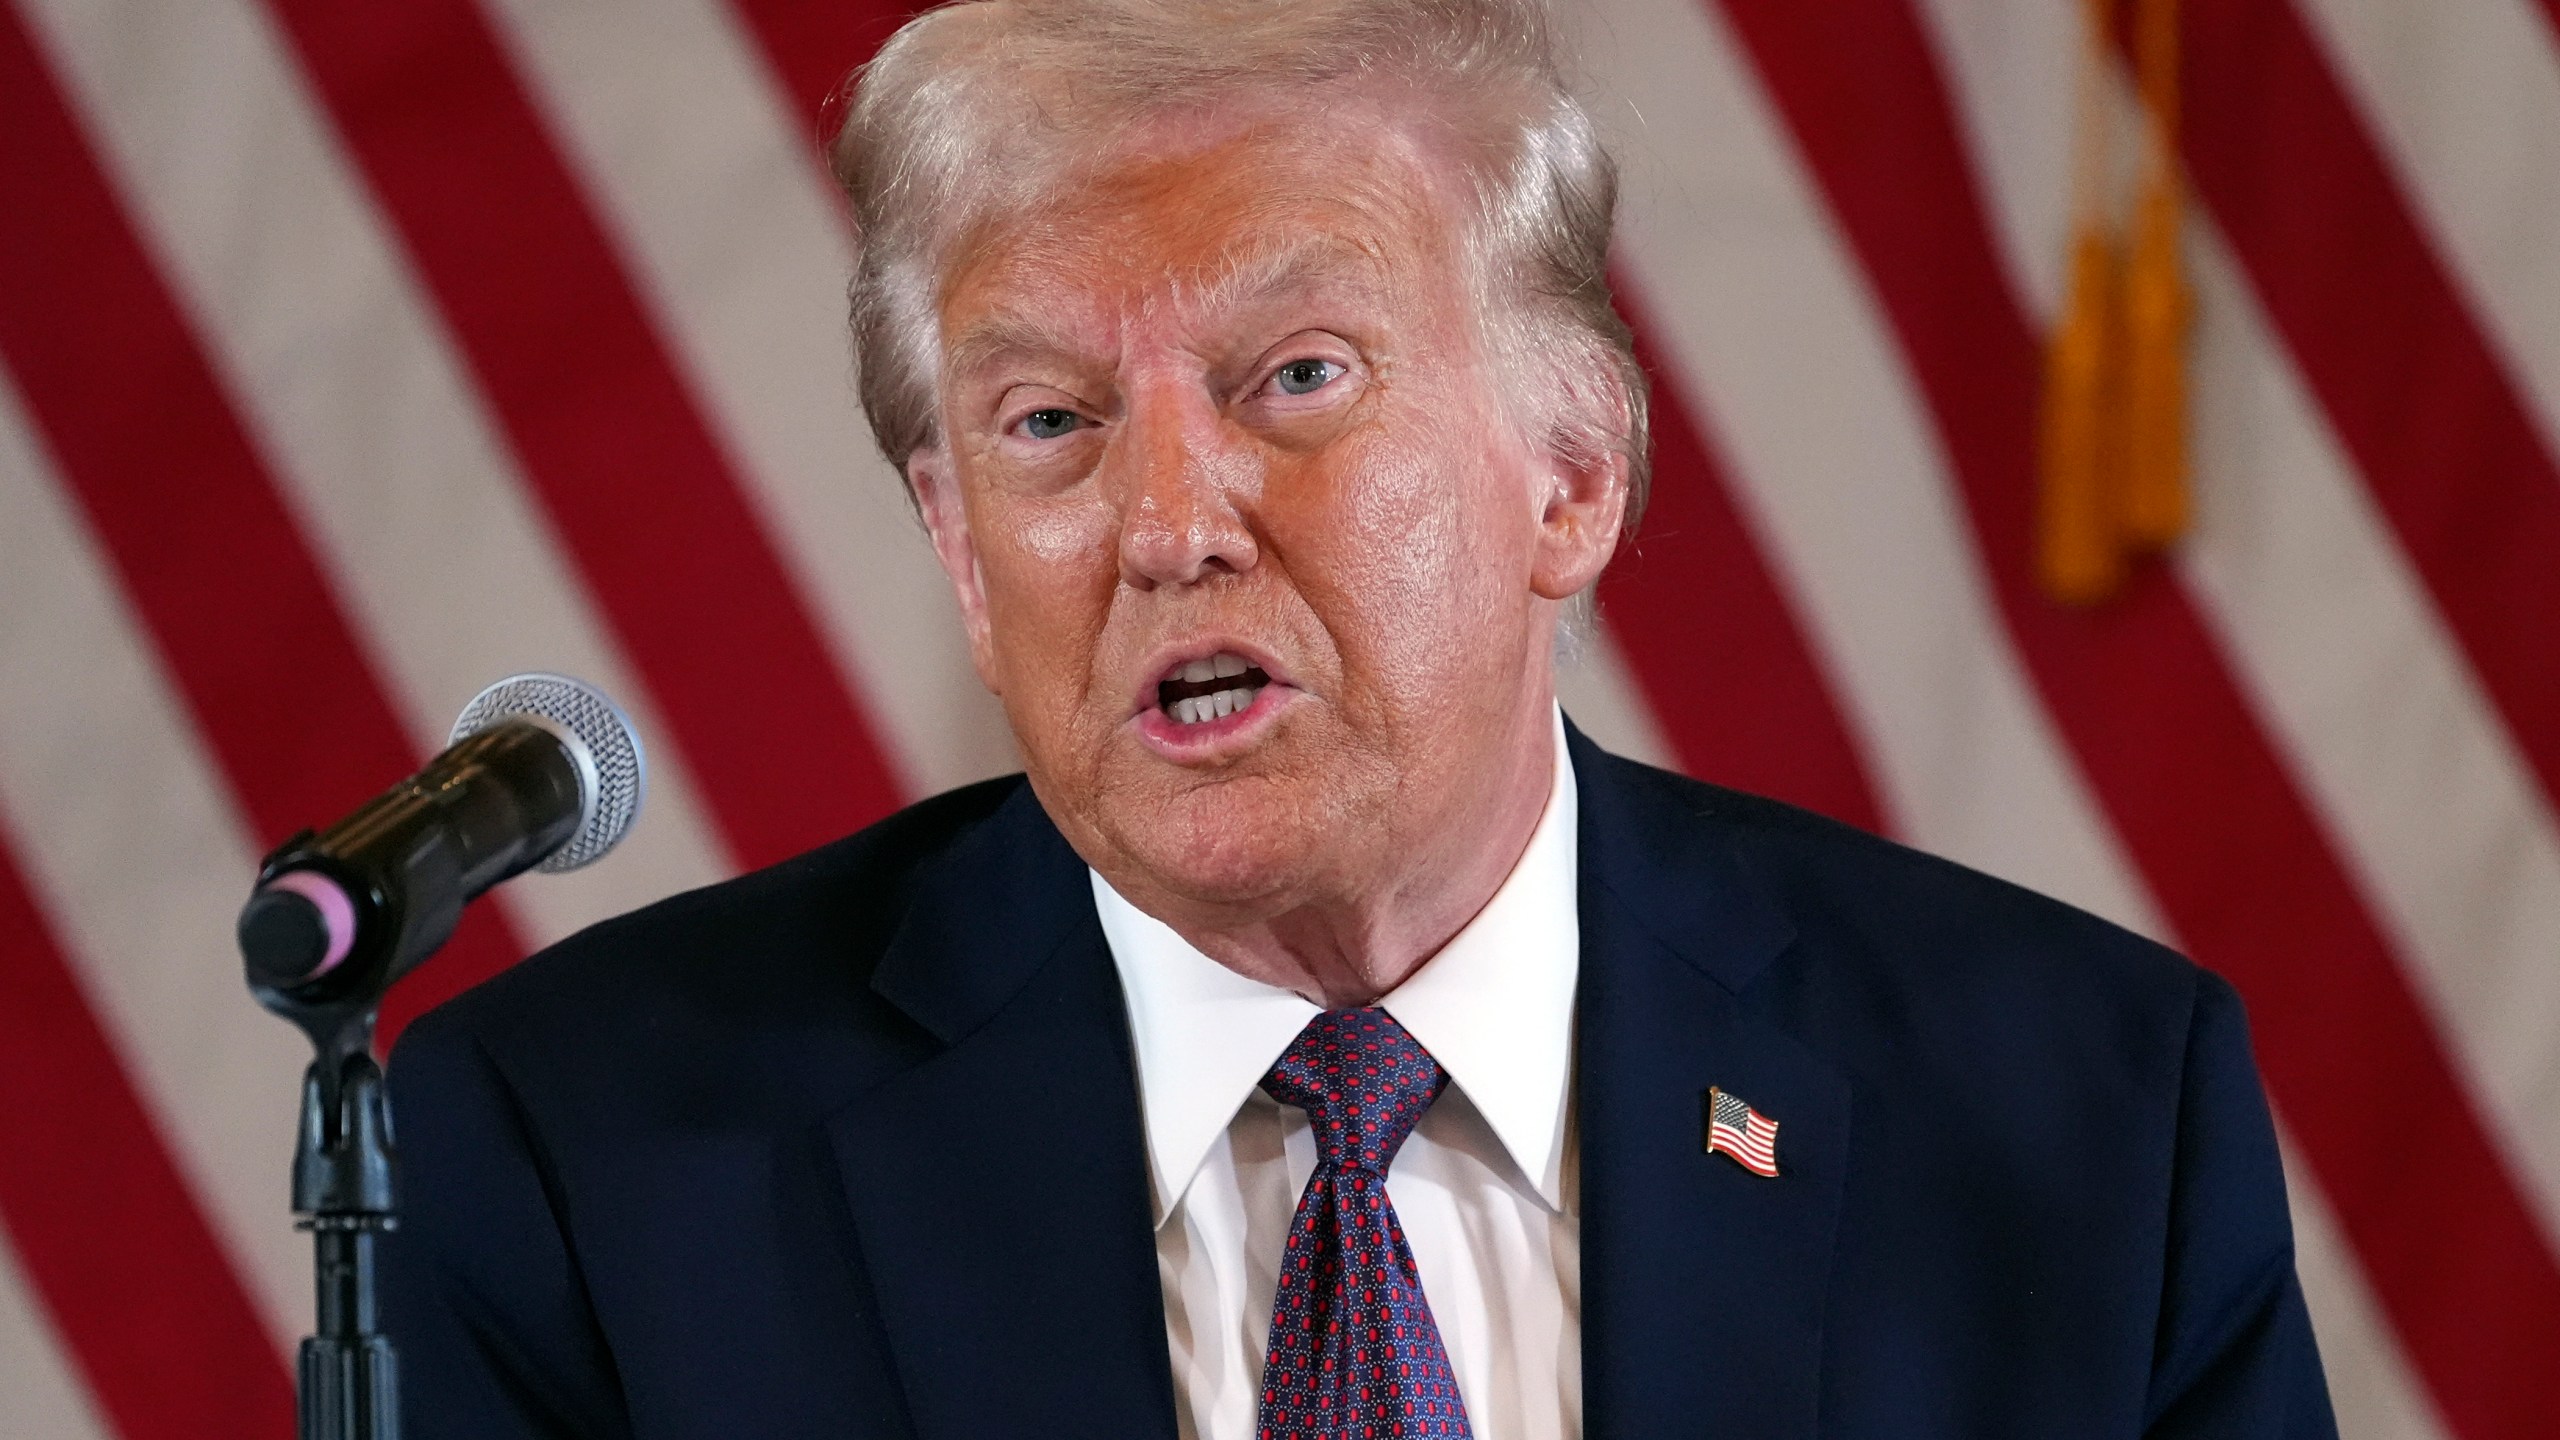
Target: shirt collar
(1494,1007)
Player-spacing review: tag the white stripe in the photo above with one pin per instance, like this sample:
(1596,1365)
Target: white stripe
(1770,335)
(719,202)
(135,856)
(347,378)
(2013,69)
(40,1396)
(2334,641)
(2370,1385)
(2463,97)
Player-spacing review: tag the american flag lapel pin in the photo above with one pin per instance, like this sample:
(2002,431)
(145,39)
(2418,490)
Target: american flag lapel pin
(1735,1129)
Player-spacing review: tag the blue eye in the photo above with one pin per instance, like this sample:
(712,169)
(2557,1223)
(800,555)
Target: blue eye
(1050,424)
(1305,377)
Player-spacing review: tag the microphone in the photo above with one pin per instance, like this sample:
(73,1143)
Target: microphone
(543,772)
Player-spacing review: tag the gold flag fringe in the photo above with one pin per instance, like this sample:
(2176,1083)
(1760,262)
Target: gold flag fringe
(2114,465)
(2156,303)
(2079,559)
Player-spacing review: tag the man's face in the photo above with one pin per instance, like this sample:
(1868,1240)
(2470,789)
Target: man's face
(1247,542)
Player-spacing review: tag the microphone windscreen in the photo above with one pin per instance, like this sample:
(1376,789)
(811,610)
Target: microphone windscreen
(613,772)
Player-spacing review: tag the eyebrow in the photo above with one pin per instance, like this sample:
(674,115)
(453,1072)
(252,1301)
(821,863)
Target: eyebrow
(1245,276)
(995,336)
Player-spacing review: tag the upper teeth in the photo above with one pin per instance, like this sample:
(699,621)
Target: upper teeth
(1212,668)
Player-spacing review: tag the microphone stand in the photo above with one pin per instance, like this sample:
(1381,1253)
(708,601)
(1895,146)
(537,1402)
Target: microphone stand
(378,893)
(345,1161)
(347,1381)
(491,805)
(345,1193)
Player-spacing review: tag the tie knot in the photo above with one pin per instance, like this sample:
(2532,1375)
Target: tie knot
(1363,1083)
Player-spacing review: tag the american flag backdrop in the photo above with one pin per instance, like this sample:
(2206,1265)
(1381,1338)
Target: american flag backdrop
(354,353)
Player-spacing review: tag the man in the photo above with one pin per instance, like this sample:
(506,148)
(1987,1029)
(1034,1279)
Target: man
(1321,1039)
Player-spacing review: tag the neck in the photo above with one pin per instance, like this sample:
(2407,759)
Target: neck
(1350,950)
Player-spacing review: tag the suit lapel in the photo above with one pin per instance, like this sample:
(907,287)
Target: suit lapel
(999,1188)
(1702,1284)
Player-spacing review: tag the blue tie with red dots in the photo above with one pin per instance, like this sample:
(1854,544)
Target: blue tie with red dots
(1354,1354)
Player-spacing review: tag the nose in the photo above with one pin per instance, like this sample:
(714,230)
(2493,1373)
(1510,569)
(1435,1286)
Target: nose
(1186,484)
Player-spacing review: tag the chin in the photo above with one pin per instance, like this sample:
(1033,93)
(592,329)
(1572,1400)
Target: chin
(1227,845)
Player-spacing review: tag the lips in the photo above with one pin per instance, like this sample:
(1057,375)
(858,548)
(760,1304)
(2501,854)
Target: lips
(1197,692)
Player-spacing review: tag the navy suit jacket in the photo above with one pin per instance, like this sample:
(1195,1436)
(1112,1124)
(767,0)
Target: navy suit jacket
(851,1147)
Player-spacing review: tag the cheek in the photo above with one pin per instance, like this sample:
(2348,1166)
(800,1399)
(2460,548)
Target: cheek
(1059,540)
(1404,496)
(1049,574)
(1415,546)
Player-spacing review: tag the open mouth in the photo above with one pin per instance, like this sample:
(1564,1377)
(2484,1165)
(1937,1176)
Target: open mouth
(1199,691)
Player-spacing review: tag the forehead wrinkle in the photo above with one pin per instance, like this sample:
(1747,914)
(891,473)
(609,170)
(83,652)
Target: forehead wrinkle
(1012,327)
(1258,268)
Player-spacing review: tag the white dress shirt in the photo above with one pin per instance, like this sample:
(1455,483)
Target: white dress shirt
(1485,1187)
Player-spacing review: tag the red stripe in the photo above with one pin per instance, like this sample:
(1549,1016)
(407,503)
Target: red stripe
(612,439)
(2192,784)
(133,1278)
(241,616)
(2404,374)
(1699,618)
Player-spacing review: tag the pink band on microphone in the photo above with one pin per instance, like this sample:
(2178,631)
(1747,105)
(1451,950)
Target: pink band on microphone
(337,912)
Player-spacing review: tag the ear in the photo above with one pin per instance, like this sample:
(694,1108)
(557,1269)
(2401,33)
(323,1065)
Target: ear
(946,518)
(1583,509)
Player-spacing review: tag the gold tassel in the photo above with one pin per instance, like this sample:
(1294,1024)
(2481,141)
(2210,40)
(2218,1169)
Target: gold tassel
(2154,508)
(2078,557)
(2114,461)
